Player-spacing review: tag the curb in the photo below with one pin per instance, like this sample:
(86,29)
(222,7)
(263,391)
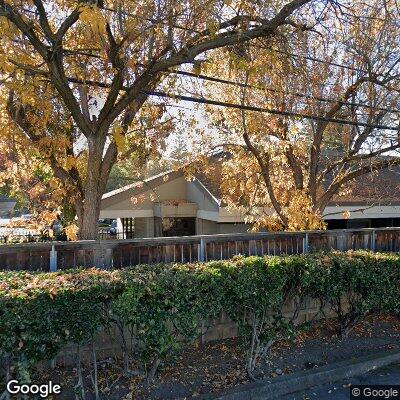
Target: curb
(303,380)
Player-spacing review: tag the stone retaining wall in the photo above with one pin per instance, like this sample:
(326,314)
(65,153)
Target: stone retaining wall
(108,343)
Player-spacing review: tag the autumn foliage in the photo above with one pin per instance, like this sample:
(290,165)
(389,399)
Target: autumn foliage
(78,78)
(324,101)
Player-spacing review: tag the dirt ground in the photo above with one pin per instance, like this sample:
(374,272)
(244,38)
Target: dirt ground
(217,366)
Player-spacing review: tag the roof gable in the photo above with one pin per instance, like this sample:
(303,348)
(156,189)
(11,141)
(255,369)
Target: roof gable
(144,185)
(121,195)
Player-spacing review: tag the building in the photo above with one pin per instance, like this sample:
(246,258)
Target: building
(170,205)
(6,206)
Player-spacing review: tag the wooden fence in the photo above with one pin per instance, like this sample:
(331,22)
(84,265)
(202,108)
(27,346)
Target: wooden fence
(122,253)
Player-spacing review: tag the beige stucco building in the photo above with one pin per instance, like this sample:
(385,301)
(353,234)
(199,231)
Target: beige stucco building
(170,205)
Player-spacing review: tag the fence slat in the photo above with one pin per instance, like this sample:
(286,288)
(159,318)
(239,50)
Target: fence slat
(122,253)
(53,259)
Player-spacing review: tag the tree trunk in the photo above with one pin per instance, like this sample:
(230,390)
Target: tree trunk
(93,191)
(88,226)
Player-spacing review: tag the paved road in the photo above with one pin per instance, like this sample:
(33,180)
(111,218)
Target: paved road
(385,376)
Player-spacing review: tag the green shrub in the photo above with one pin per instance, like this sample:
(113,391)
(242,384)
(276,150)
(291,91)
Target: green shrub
(378,278)
(41,313)
(164,305)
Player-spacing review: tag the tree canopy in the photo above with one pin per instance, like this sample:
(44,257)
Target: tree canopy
(76,76)
(308,89)
(327,101)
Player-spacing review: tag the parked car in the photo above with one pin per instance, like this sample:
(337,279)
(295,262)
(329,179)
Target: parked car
(27,217)
(113,228)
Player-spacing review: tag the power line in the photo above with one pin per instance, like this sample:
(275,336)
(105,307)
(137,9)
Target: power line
(268,110)
(158,21)
(310,58)
(296,94)
(203,100)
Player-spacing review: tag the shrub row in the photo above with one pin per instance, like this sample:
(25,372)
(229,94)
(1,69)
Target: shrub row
(163,305)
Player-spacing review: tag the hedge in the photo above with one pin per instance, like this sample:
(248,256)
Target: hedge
(164,305)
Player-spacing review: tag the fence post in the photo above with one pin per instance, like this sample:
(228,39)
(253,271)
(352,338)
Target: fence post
(373,240)
(53,259)
(305,243)
(202,250)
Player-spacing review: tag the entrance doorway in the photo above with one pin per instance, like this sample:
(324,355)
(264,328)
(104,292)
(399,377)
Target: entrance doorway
(184,226)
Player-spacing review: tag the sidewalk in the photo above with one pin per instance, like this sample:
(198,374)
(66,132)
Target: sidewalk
(297,385)
(389,375)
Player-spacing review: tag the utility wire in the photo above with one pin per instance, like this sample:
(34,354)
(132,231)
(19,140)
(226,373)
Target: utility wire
(263,109)
(296,94)
(157,21)
(203,100)
(268,110)
(229,82)
(310,58)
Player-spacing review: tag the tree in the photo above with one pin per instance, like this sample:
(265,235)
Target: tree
(73,70)
(132,170)
(170,154)
(25,177)
(328,122)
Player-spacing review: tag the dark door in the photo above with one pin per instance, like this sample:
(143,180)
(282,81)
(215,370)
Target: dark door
(185,226)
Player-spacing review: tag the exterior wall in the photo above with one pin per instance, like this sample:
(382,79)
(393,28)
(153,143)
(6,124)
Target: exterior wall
(157,226)
(174,186)
(150,227)
(198,195)
(360,211)
(206,227)
(332,212)
(121,205)
(234,228)
(144,227)
(227,215)
(178,210)
(363,223)
(6,206)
